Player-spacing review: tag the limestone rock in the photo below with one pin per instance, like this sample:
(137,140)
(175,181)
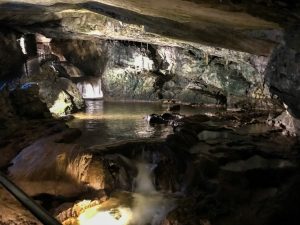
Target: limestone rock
(27,102)
(282,73)
(59,93)
(289,124)
(242,26)
(61,167)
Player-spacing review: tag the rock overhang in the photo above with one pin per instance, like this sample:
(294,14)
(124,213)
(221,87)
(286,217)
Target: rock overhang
(248,27)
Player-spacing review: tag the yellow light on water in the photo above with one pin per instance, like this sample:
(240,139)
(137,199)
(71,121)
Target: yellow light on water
(95,116)
(117,216)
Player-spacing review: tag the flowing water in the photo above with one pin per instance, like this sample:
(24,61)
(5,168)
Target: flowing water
(147,206)
(90,89)
(108,122)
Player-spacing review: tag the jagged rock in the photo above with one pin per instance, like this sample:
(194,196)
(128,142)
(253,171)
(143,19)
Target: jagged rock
(289,124)
(27,102)
(282,73)
(89,57)
(248,28)
(59,93)
(140,71)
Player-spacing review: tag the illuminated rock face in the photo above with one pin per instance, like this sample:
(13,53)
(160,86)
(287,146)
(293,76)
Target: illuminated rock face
(142,71)
(60,168)
(59,93)
(256,27)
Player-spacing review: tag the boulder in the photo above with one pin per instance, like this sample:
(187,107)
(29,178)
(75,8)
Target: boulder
(50,167)
(27,103)
(59,93)
(288,124)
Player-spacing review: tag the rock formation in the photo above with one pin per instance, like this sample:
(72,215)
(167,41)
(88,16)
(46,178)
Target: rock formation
(230,54)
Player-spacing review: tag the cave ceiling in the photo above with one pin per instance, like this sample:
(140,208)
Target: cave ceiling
(247,26)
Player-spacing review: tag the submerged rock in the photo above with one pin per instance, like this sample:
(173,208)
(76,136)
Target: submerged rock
(156,119)
(165,118)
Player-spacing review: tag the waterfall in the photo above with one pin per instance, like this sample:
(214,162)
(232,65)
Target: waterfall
(149,205)
(143,180)
(90,89)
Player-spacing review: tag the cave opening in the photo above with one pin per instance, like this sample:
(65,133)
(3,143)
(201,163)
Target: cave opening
(170,112)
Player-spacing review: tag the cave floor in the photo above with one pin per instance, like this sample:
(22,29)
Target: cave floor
(222,167)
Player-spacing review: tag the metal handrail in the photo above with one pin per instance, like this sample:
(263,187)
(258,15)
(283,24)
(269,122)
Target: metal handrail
(39,212)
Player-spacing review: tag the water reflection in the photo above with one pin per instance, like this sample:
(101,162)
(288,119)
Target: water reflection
(107,122)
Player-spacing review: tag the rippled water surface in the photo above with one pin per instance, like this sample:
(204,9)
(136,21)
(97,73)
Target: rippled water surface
(108,122)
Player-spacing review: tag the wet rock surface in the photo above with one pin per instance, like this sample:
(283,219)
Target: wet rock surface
(227,169)
(60,94)
(238,176)
(148,72)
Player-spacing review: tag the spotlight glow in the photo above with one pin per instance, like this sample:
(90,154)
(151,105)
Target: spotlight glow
(116,216)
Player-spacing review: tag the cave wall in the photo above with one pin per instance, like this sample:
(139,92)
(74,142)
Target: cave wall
(283,72)
(11,57)
(141,71)
(25,66)
(89,56)
(283,79)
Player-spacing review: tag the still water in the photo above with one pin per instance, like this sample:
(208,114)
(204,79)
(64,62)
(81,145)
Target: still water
(108,122)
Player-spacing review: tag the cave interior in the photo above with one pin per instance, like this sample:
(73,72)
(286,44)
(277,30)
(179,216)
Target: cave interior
(161,112)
